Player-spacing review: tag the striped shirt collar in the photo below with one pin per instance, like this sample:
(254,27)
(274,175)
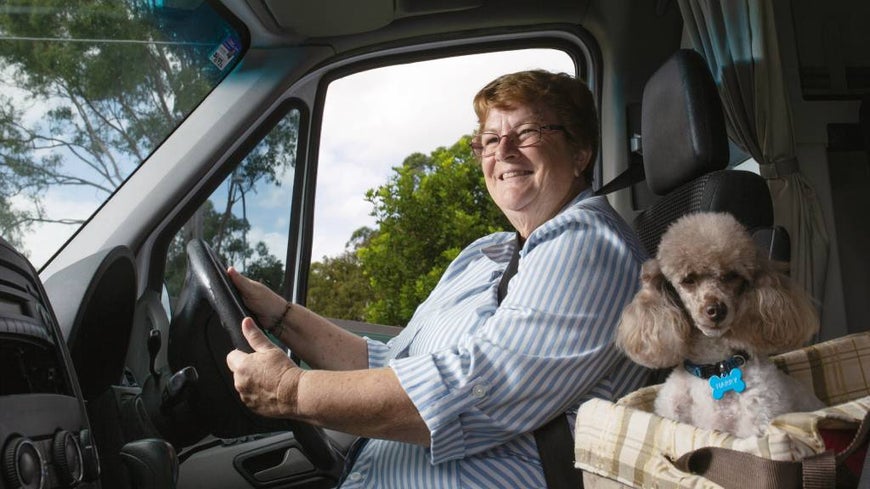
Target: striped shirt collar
(503,245)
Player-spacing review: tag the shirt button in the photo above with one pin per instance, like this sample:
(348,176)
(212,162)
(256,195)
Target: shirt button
(354,477)
(479,391)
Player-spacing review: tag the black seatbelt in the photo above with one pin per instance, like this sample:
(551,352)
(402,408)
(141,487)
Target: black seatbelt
(633,174)
(509,271)
(554,440)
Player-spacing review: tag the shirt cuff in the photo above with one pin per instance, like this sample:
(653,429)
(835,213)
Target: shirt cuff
(378,353)
(440,406)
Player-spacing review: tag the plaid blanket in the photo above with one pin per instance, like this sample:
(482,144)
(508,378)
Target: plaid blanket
(625,442)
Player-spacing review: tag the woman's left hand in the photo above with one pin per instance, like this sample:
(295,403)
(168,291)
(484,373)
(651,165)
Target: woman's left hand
(267,380)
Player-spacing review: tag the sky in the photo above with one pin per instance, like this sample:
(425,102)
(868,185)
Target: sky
(372,121)
(375,119)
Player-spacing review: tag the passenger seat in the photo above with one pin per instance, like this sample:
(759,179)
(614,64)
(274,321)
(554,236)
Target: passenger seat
(685,156)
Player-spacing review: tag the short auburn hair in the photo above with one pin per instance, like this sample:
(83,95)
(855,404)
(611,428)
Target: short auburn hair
(568,97)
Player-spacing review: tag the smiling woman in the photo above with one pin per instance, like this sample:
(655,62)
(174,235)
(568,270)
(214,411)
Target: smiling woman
(537,142)
(395,144)
(278,131)
(437,405)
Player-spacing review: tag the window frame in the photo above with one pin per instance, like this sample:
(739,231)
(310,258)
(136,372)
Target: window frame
(577,43)
(160,250)
(307,94)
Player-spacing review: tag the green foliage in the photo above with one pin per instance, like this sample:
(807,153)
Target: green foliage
(338,288)
(430,209)
(94,87)
(265,267)
(228,236)
(225,231)
(97,86)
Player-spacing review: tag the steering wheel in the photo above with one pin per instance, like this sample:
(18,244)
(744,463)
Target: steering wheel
(204,329)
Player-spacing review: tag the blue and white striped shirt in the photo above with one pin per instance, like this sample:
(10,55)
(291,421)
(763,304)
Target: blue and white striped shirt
(484,376)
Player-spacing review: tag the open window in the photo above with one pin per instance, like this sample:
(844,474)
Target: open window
(399,192)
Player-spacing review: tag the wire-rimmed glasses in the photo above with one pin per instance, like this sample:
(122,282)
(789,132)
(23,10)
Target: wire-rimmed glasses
(524,135)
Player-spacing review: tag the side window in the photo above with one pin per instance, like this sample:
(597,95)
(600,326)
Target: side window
(399,192)
(246,219)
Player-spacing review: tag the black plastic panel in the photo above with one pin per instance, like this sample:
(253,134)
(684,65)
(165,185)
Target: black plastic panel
(39,402)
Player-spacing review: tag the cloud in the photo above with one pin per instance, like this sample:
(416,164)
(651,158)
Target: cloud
(44,239)
(275,241)
(373,120)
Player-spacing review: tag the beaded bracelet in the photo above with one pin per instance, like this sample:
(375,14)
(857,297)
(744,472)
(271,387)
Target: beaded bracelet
(278,325)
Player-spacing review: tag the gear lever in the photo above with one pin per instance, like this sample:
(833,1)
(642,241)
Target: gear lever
(152,463)
(154,343)
(177,385)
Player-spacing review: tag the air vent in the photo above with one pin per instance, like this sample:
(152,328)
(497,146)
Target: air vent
(30,366)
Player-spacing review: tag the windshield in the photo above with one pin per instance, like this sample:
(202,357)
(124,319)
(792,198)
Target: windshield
(89,90)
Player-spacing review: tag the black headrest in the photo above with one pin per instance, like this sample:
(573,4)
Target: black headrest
(683,127)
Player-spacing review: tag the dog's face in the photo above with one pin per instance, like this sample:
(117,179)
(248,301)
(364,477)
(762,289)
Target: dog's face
(711,297)
(711,261)
(709,290)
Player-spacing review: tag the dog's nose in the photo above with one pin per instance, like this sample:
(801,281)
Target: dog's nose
(716,311)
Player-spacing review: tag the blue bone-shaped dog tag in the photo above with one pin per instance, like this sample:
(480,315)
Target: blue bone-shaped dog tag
(732,381)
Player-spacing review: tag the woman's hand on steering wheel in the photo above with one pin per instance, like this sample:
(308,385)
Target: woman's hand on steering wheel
(260,300)
(267,380)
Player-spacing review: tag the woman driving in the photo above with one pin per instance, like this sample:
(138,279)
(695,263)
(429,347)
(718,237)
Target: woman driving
(452,400)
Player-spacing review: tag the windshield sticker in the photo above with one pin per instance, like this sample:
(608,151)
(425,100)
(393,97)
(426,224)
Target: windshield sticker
(225,52)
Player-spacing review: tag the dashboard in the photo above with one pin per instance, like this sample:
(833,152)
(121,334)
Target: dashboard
(68,415)
(46,437)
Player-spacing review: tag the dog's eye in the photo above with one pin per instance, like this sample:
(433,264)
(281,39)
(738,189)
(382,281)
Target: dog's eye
(732,277)
(689,280)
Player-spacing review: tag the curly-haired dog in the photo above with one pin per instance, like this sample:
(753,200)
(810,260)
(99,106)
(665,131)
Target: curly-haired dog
(712,304)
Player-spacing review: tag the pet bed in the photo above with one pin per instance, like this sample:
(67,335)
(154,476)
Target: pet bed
(624,444)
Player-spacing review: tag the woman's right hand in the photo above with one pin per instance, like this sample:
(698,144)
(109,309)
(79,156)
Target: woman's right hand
(262,301)
(317,340)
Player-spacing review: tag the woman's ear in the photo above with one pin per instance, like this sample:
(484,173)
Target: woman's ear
(582,160)
(654,329)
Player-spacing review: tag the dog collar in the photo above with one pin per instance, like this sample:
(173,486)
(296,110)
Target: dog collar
(707,370)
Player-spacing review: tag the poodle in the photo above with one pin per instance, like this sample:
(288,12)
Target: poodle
(714,306)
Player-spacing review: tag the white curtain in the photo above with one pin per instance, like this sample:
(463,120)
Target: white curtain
(738,40)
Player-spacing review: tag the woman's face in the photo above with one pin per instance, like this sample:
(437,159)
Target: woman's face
(531,184)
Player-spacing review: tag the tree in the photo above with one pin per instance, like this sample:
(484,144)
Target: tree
(260,264)
(84,114)
(94,88)
(429,210)
(225,231)
(337,286)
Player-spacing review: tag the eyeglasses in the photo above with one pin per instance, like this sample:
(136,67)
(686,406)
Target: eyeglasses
(522,136)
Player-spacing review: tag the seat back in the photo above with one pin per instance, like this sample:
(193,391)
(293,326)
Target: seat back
(685,153)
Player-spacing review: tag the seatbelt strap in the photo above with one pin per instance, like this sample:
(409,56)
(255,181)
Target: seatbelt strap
(633,174)
(509,271)
(554,440)
(556,448)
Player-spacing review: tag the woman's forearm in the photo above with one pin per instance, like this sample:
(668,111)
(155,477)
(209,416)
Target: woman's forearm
(368,403)
(320,342)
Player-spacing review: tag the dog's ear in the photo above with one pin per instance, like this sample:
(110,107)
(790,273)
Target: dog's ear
(654,329)
(785,314)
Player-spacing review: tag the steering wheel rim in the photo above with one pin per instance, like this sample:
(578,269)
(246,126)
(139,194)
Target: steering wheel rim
(206,268)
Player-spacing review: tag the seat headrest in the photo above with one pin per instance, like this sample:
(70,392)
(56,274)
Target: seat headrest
(682,123)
